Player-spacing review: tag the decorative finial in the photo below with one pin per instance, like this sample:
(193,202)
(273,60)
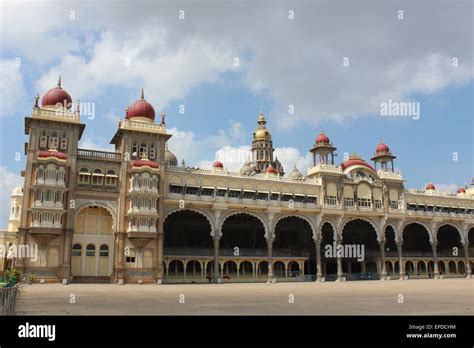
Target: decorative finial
(126,112)
(78,106)
(142,95)
(36,101)
(59,81)
(163,118)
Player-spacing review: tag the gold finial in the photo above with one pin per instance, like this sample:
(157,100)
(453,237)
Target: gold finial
(59,81)
(142,95)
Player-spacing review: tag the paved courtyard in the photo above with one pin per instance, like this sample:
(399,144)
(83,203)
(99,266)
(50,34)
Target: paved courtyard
(420,297)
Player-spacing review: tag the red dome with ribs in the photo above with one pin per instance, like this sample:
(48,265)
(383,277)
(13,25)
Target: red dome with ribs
(382,148)
(322,139)
(55,96)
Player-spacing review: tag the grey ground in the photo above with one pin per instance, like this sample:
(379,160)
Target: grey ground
(420,297)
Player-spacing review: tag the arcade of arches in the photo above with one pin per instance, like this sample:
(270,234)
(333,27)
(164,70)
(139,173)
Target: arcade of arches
(242,251)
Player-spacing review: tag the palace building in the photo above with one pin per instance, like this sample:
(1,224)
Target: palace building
(135,215)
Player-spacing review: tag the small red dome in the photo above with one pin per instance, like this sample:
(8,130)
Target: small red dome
(218,164)
(271,170)
(430,186)
(144,163)
(55,96)
(461,190)
(57,154)
(322,139)
(141,108)
(381,148)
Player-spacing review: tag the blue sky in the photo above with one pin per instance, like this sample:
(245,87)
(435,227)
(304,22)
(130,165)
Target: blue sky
(282,62)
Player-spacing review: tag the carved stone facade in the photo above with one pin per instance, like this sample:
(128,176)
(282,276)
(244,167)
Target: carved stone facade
(133,215)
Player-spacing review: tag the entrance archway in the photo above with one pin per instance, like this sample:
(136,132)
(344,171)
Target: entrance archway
(93,243)
(294,238)
(360,239)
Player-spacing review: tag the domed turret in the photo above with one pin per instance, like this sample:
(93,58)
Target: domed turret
(170,158)
(57,96)
(141,109)
(430,186)
(296,174)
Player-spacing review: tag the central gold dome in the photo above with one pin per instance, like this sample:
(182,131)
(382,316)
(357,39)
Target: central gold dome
(262,133)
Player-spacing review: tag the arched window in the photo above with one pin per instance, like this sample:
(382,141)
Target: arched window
(97,177)
(43,140)
(104,250)
(90,250)
(134,150)
(84,175)
(76,250)
(53,141)
(111,178)
(152,151)
(143,153)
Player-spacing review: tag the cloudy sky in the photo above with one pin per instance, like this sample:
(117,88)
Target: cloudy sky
(309,66)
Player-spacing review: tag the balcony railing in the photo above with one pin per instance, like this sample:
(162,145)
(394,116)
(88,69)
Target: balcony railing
(99,154)
(231,252)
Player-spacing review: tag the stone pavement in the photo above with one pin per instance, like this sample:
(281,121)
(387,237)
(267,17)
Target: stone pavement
(420,297)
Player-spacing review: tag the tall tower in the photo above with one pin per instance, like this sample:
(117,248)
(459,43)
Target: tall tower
(140,206)
(262,148)
(53,130)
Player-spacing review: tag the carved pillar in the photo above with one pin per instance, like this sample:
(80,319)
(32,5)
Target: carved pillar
(67,245)
(339,260)
(120,266)
(159,255)
(383,269)
(20,262)
(270,259)
(466,260)
(435,259)
(401,266)
(319,271)
(216,275)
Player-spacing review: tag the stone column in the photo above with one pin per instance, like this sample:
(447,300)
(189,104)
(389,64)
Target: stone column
(216,275)
(383,273)
(319,271)
(339,261)
(435,260)
(159,256)
(401,266)
(270,259)
(466,260)
(120,266)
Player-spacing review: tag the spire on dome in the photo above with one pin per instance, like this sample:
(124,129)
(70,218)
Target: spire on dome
(59,81)
(142,96)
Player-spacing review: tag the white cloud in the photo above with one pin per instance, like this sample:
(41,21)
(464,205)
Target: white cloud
(295,62)
(98,143)
(163,71)
(8,181)
(290,156)
(13,94)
